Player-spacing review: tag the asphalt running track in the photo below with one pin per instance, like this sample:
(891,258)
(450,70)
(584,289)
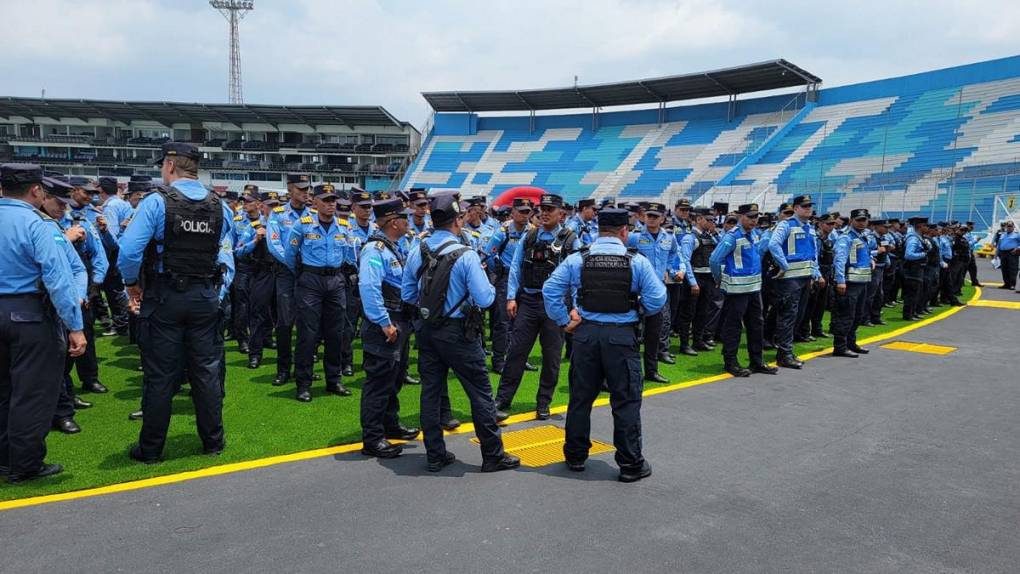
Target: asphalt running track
(894,462)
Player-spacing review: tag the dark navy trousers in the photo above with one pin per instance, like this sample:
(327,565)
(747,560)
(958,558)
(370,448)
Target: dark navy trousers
(791,306)
(286,311)
(849,311)
(177,334)
(261,284)
(385,370)
(321,308)
(32,350)
(742,309)
(440,350)
(531,323)
(605,353)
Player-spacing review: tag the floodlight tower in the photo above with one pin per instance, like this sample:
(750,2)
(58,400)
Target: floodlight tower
(234,11)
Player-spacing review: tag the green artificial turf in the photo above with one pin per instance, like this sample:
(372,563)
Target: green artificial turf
(262,420)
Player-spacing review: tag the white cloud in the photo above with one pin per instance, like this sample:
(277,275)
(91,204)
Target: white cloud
(386,52)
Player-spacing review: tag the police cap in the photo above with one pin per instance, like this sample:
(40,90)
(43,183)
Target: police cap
(879,222)
(108,185)
(251,193)
(58,188)
(802,201)
(445,207)
(583,203)
(612,217)
(388,207)
(859,213)
(416,195)
(748,209)
(550,200)
(477,201)
(136,186)
(655,209)
(607,202)
(360,196)
(683,203)
(784,207)
(523,204)
(270,197)
(324,191)
(503,211)
(299,180)
(82,183)
(720,208)
(14,174)
(139,178)
(179,149)
(231,195)
(381,196)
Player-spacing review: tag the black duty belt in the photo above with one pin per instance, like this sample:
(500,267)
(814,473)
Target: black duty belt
(324,271)
(22,295)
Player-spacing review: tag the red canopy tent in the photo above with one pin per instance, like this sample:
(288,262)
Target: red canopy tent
(508,196)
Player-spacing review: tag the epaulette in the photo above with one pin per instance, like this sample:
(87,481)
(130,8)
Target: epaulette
(506,225)
(237,217)
(474,233)
(256,223)
(43,216)
(343,221)
(306,219)
(278,209)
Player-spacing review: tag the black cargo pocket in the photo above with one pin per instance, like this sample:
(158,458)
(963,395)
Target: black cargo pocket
(26,317)
(623,338)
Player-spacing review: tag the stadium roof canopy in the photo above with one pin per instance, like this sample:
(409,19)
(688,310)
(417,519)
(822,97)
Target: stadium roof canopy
(175,112)
(758,77)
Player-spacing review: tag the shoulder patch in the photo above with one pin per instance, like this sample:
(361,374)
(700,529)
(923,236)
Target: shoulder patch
(256,223)
(343,221)
(474,233)
(313,210)
(306,219)
(237,217)
(278,209)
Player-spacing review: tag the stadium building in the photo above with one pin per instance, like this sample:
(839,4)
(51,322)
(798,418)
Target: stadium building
(944,144)
(344,145)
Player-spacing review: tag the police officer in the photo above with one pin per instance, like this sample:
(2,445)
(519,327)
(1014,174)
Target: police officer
(362,227)
(613,285)
(975,239)
(699,312)
(535,257)
(661,250)
(853,267)
(880,244)
(318,246)
(280,221)
(255,277)
(385,334)
(501,249)
(114,210)
(822,294)
(794,252)
(38,301)
(583,223)
(177,273)
(737,268)
(55,206)
(446,281)
(419,221)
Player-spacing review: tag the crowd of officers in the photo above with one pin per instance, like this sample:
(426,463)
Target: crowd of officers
(180,268)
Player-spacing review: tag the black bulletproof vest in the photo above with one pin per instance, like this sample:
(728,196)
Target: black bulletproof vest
(706,245)
(191,236)
(932,259)
(882,258)
(541,257)
(435,273)
(605,283)
(961,248)
(391,293)
(827,255)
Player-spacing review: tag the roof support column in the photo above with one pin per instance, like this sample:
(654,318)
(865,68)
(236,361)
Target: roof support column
(731,108)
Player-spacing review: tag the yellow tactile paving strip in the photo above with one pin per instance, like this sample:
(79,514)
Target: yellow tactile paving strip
(542,446)
(927,348)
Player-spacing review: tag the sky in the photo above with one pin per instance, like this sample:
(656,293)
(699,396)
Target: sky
(373,52)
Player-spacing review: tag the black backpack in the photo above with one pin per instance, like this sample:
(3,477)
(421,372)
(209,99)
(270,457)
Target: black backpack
(434,275)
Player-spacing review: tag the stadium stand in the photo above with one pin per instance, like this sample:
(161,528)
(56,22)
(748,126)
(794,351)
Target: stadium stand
(944,143)
(240,143)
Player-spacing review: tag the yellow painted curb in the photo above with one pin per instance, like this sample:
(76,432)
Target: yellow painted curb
(464,428)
